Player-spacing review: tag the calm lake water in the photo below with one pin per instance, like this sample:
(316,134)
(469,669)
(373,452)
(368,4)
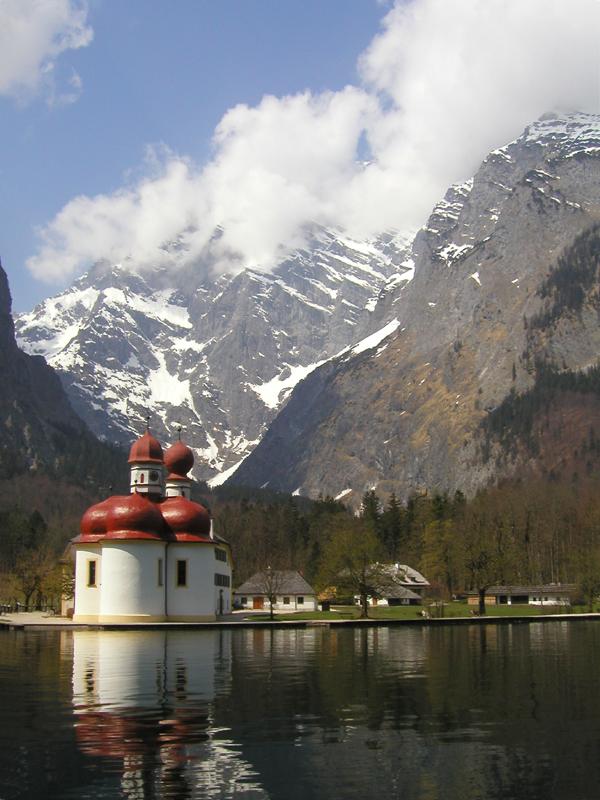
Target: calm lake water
(506,711)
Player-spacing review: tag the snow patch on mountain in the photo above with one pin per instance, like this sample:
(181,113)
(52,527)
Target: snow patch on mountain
(218,356)
(164,387)
(375,338)
(275,391)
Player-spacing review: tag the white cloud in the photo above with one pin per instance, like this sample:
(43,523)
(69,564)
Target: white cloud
(33,34)
(443,83)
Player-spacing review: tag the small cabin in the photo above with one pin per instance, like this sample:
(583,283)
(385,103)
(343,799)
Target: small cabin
(288,588)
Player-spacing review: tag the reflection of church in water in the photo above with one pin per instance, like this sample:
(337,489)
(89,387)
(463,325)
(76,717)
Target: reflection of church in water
(151,555)
(252,712)
(144,704)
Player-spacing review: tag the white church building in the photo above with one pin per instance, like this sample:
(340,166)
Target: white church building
(151,555)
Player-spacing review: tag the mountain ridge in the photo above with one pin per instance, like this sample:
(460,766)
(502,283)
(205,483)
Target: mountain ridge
(407,418)
(218,356)
(263,369)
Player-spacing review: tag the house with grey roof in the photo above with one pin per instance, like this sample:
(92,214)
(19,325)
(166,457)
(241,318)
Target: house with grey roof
(403,586)
(548,594)
(288,589)
(398,596)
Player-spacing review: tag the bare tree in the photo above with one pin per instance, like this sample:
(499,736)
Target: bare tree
(271,584)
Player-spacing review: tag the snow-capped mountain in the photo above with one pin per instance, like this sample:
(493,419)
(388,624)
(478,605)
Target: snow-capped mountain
(217,355)
(40,434)
(480,316)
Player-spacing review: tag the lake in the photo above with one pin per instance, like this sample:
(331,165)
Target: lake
(452,712)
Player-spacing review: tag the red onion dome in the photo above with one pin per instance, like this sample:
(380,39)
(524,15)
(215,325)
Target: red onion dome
(93,523)
(110,735)
(147,449)
(133,516)
(187,521)
(179,459)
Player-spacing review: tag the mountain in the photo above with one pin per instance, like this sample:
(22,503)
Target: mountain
(491,369)
(39,431)
(218,354)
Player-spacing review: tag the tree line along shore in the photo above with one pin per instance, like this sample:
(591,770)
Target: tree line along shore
(533,532)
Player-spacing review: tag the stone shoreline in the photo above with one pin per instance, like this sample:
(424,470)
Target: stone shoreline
(34,621)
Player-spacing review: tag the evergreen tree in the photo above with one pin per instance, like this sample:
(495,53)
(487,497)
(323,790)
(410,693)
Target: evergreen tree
(392,524)
(371,511)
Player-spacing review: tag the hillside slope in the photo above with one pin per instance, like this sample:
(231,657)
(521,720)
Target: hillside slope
(409,414)
(39,431)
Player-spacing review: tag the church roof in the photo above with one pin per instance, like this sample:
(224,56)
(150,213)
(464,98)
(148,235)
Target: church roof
(179,459)
(185,520)
(138,516)
(146,450)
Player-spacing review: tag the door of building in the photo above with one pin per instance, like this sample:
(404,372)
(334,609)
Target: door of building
(258,602)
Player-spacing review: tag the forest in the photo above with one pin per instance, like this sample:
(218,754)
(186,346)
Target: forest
(574,277)
(518,532)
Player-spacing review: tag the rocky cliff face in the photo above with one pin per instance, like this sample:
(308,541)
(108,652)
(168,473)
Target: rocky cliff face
(217,355)
(407,414)
(39,431)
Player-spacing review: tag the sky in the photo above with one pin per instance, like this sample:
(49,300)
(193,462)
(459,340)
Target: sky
(128,125)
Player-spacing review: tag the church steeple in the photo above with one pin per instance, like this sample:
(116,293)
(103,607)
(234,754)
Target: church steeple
(179,459)
(146,461)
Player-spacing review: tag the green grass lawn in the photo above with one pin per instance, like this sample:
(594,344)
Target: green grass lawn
(344,612)
(454,609)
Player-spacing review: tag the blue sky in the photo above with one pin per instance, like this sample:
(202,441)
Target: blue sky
(127,124)
(160,72)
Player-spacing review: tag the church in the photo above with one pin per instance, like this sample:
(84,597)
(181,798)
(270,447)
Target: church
(151,555)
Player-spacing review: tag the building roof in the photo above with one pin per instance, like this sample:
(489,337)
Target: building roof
(146,450)
(138,516)
(135,516)
(179,459)
(284,581)
(544,588)
(408,575)
(400,593)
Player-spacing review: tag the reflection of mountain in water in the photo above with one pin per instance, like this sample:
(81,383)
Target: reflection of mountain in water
(144,701)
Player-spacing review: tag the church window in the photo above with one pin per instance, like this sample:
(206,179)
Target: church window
(220,554)
(142,478)
(222,580)
(91,573)
(182,573)
(160,572)
(153,475)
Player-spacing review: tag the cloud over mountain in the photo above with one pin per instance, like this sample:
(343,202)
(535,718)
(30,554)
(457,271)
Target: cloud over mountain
(441,84)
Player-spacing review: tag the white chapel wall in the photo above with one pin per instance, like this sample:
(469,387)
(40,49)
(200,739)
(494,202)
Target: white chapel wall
(87,598)
(130,585)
